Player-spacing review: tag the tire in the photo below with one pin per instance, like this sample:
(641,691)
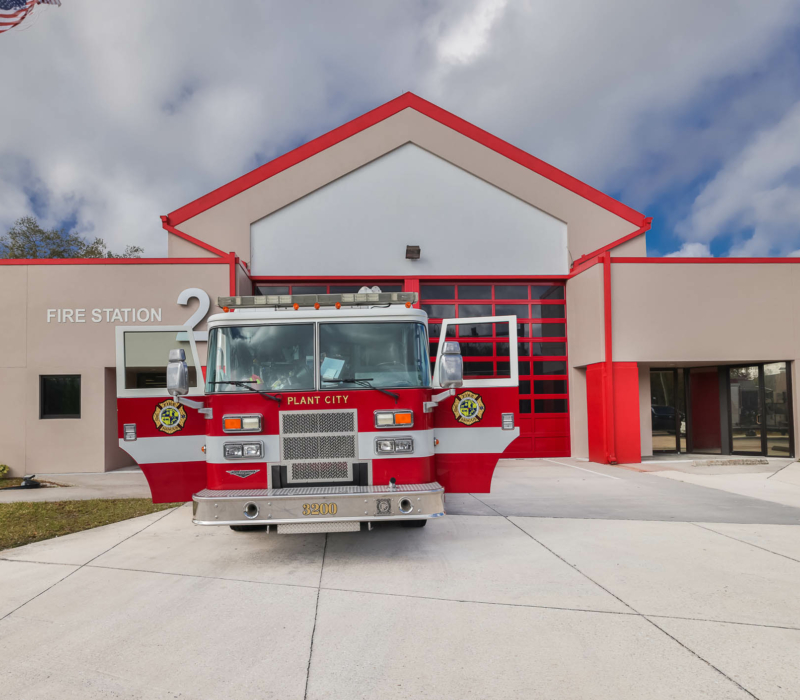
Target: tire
(413,523)
(248,528)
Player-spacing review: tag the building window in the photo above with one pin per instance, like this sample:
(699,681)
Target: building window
(60,396)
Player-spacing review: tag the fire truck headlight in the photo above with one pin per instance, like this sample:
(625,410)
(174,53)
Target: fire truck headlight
(233,450)
(404,444)
(252,449)
(384,445)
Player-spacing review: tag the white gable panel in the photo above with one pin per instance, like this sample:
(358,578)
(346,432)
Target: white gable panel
(361,223)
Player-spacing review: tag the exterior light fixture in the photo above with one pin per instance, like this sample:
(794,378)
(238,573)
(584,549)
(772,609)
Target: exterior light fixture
(412,252)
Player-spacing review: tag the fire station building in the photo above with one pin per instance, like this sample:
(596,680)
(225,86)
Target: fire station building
(620,355)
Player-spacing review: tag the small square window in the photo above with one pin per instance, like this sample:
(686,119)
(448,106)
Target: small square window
(474,291)
(60,396)
(309,289)
(272,289)
(525,386)
(511,291)
(550,405)
(555,291)
(524,405)
(547,311)
(550,367)
(438,291)
(439,310)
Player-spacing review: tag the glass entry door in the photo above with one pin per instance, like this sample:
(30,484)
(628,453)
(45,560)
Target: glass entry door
(667,412)
(760,404)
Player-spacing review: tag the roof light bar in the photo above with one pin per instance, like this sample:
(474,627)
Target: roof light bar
(312,300)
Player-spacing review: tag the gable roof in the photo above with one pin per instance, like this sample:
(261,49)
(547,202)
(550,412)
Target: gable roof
(405,101)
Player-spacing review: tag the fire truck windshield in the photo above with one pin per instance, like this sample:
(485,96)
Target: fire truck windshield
(267,358)
(389,355)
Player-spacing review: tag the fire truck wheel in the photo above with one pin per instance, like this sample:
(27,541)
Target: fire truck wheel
(413,523)
(248,528)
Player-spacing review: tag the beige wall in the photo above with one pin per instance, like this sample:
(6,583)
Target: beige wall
(705,312)
(13,287)
(30,444)
(178,247)
(680,314)
(578,416)
(585,345)
(585,318)
(244,286)
(227,225)
(634,248)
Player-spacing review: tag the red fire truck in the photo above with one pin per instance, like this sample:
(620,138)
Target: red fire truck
(315,413)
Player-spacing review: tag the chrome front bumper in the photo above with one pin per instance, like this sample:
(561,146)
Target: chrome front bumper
(352,503)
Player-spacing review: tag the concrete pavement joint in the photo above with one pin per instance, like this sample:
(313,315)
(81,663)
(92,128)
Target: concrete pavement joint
(563,464)
(630,607)
(780,470)
(210,578)
(736,539)
(171,510)
(723,622)
(316,611)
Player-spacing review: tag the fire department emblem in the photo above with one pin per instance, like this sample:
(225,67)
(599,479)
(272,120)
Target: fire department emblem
(169,416)
(468,408)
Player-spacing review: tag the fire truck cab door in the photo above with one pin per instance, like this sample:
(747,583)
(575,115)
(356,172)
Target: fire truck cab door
(165,437)
(475,426)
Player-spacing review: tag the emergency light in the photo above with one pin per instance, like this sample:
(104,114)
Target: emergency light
(297,301)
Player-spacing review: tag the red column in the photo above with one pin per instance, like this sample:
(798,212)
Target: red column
(622,424)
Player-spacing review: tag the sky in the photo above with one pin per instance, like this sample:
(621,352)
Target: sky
(114,113)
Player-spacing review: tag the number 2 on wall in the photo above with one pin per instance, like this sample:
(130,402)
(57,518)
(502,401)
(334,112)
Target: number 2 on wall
(200,314)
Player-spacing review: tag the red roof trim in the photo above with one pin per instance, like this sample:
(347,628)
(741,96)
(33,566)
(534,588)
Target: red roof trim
(638,232)
(709,261)
(114,261)
(405,101)
(196,241)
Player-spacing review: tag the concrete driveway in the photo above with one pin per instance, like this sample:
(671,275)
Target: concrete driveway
(566,582)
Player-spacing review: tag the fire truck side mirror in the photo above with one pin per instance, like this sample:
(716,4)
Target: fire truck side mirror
(177,373)
(451,370)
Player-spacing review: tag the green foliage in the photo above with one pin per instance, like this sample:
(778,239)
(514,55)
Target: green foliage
(26,239)
(4,469)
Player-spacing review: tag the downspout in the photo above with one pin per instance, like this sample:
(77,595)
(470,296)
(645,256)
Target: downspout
(611,445)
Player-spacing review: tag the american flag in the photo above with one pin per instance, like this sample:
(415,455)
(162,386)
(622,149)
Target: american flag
(12,12)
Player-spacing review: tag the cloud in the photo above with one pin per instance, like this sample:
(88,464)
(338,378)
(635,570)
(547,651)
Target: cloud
(758,191)
(120,112)
(691,250)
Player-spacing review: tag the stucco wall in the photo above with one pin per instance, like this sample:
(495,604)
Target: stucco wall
(363,222)
(585,319)
(227,225)
(79,344)
(585,345)
(705,312)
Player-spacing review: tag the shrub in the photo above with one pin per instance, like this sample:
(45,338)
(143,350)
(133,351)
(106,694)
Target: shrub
(4,469)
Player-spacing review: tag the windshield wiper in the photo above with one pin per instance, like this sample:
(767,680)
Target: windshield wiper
(246,384)
(365,383)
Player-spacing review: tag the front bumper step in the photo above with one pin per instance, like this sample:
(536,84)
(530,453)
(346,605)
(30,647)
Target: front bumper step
(318,504)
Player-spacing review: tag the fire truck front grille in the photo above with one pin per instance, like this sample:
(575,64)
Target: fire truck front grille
(319,447)
(321,471)
(295,423)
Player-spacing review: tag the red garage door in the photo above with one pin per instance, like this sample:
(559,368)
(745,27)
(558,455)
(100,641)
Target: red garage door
(540,308)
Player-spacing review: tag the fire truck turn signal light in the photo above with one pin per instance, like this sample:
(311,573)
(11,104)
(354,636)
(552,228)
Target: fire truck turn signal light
(394,419)
(296,301)
(241,424)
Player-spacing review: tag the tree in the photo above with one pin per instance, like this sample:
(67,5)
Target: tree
(26,239)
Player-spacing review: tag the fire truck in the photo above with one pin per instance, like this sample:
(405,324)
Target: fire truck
(314,413)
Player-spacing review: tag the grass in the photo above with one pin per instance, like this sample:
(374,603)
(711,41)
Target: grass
(23,523)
